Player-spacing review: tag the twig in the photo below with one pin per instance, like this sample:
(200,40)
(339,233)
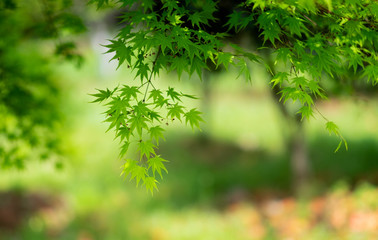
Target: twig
(149,79)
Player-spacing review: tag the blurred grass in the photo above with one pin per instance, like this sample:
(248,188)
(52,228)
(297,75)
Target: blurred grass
(231,181)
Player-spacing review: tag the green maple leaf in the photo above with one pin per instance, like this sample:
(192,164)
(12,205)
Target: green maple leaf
(164,42)
(239,20)
(138,123)
(157,133)
(295,25)
(314,87)
(197,66)
(102,95)
(188,96)
(180,64)
(193,117)
(243,69)
(332,128)
(150,183)
(161,102)
(129,167)
(139,173)
(279,78)
(129,92)
(283,54)
(143,70)
(122,52)
(154,116)
(299,81)
(306,112)
(124,149)
(141,109)
(225,59)
(175,111)
(99,3)
(156,164)
(156,95)
(272,33)
(123,132)
(173,94)
(146,148)
(195,18)
(371,72)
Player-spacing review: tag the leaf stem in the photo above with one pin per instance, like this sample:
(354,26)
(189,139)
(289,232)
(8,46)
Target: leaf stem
(152,71)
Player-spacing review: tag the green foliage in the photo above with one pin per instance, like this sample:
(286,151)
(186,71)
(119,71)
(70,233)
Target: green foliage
(139,121)
(30,117)
(312,40)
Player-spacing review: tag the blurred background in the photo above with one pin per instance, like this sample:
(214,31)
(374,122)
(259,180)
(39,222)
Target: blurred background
(60,172)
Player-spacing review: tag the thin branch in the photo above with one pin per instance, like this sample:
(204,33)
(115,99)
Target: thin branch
(313,23)
(152,71)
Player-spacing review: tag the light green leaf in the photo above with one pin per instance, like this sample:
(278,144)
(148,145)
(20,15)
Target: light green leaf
(193,117)
(175,111)
(156,164)
(146,148)
(157,133)
(150,183)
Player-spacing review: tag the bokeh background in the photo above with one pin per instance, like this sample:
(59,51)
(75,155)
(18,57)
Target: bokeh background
(232,180)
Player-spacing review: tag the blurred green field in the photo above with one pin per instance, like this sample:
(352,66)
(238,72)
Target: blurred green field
(230,181)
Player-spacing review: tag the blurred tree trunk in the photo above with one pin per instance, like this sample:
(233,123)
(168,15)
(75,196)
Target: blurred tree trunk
(300,162)
(296,142)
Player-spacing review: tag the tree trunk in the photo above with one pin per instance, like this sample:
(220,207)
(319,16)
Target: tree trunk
(299,159)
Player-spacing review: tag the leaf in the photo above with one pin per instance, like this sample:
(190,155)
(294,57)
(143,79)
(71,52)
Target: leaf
(225,59)
(188,96)
(332,128)
(180,64)
(118,106)
(122,52)
(146,148)
(143,70)
(306,112)
(164,42)
(193,117)
(102,95)
(279,78)
(314,87)
(150,183)
(129,167)
(156,164)
(100,3)
(154,116)
(156,95)
(124,132)
(139,173)
(239,20)
(129,92)
(284,55)
(243,69)
(295,25)
(195,18)
(299,82)
(173,94)
(371,72)
(157,133)
(141,109)
(138,123)
(197,66)
(175,111)
(124,149)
